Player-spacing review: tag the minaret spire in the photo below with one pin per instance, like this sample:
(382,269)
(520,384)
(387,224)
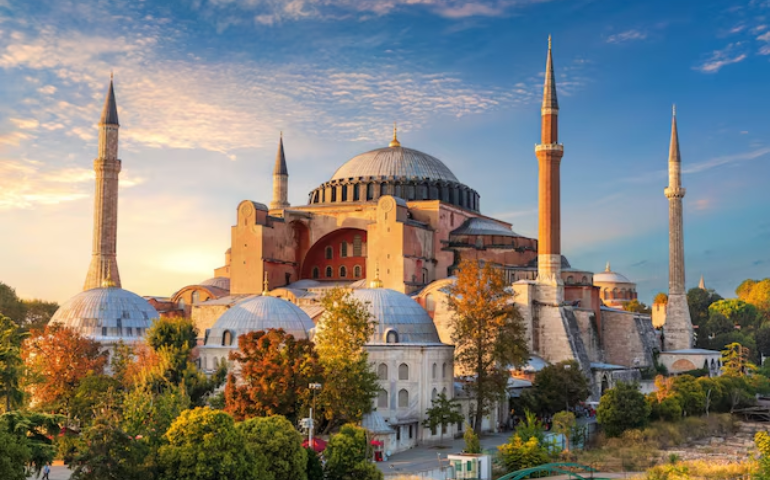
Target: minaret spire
(702,283)
(280,179)
(549,153)
(104,267)
(678,330)
(395,142)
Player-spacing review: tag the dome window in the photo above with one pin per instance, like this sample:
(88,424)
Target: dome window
(329,272)
(403,372)
(316,272)
(382,399)
(391,336)
(227,338)
(403,398)
(129,332)
(343,271)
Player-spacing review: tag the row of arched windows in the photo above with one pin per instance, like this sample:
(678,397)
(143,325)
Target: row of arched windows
(383,397)
(621,294)
(358,248)
(329,272)
(403,371)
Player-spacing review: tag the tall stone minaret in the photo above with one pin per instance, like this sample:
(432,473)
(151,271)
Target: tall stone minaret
(280,179)
(677,331)
(104,267)
(549,153)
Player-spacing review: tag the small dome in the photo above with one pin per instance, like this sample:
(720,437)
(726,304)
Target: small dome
(608,276)
(107,314)
(395,162)
(219,282)
(483,226)
(397,312)
(259,313)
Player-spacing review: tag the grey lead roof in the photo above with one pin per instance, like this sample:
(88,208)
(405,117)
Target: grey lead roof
(395,162)
(261,313)
(394,310)
(110,110)
(483,226)
(280,160)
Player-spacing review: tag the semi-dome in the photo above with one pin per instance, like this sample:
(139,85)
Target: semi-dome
(395,162)
(399,318)
(398,171)
(219,282)
(107,314)
(259,313)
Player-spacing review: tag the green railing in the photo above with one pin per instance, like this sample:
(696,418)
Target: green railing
(550,469)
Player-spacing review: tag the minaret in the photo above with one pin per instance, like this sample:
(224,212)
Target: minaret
(549,153)
(702,283)
(280,180)
(104,267)
(678,331)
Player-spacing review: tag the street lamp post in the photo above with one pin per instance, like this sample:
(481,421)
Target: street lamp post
(311,423)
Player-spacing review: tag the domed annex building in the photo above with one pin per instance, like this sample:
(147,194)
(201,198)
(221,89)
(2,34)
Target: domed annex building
(614,288)
(103,311)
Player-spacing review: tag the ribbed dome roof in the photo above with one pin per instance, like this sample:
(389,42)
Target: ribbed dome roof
(260,313)
(219,282)
(107,314)
(608,276)
(395,162)
(395,311)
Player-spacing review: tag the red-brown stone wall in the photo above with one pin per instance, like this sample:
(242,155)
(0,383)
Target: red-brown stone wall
(316,256)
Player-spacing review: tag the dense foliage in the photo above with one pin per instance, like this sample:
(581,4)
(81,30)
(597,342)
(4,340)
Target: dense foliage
(442,413)
(275,439)
(348,455)
(622,408)
(558,387)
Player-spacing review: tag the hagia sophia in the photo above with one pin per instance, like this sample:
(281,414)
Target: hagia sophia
(392,225)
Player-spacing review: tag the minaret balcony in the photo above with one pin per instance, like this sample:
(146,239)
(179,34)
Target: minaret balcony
(675,192)
(549,147)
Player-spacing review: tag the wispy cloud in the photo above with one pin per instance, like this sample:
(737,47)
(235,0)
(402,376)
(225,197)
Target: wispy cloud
(724,160)
(627,36)
(732,53)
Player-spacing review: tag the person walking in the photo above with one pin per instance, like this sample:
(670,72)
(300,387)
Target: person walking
(46,471)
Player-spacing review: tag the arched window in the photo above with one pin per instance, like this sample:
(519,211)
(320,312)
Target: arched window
(357,271)
(343,271)
(329,253)
(430,303)
(584,280)
(344,249)
(382,399)
(570,280)
(329,272)
(433,394)
(382,372)
(443,391)
(403,398)
(443,370)
(180,303)
(195,297)
(424,276)
(403,372)
(316,272)
(357,245)
(391,336)
(227,338)
(434,371)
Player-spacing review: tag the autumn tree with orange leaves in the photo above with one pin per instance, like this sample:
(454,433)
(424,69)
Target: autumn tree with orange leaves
(488,333)
(58,358)
(275,370)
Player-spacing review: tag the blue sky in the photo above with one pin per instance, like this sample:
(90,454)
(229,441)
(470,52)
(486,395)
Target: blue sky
(205,86)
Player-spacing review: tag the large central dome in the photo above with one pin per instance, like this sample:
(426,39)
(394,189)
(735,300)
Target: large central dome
(398,171)
(394,162)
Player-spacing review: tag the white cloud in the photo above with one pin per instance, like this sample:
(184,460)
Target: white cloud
(47,90)
(627,36)
(720,58)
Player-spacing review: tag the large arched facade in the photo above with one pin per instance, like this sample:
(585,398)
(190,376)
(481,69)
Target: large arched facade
(339,255)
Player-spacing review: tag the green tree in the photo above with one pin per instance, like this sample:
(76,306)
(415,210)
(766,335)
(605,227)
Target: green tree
(204,444)
(563,423)
(699,301)
(762,442)
(622,408)
(560,386)
(757,293)
(38,313)
(350,384)
(762,338)
(14,454)
(488,333)
(531,427)
(718,324)
(668,409)
(149,414)
(518,454)
(636,306)
(471,438)
(95,393)
(11,364)
(107,452)
(314,467)
(690,395)
(37,431)
(277,446)
(348,454)
(11,305)
(738,312)
(275,371)
(735,361)
(661,298)
(442,412)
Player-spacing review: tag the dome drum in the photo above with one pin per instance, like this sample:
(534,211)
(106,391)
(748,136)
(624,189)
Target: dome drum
(370,189)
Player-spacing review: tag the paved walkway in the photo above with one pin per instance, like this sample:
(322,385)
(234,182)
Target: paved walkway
(58,472)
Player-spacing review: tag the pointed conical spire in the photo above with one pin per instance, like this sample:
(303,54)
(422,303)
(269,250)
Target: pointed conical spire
(607,268)
(702,283)
(110,110)
(549,87)
(673,150)
(280,160)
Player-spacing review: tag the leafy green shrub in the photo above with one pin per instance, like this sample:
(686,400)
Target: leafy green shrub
(518,454)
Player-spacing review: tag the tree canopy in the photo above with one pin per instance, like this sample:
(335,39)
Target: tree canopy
(699,301)
(348,454)
(560,386)
(737,311)
(622,408)
(488,333)
(275,442)
(442,412)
